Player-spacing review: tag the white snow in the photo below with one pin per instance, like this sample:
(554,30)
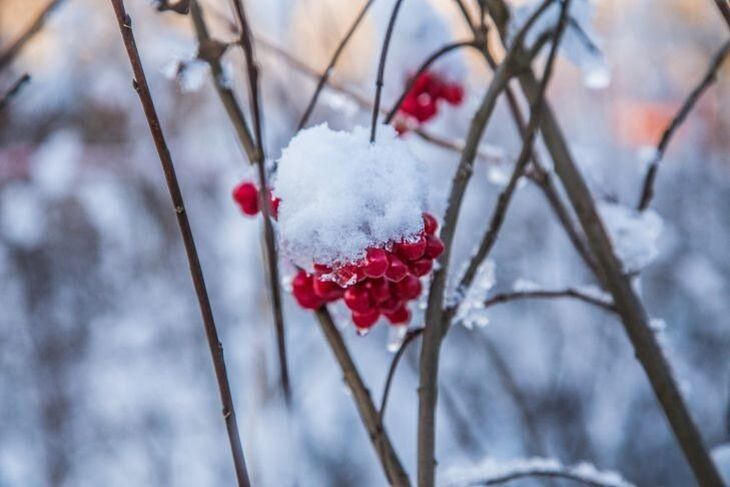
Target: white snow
(54,165)
(22,215)
(634,235)
(471,312)
(721,456)
(340,194)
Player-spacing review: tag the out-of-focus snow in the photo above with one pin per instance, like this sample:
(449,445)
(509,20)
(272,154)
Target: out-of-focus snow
(340,194)
(634,235)
(55,163)
(721,456)
(22,214)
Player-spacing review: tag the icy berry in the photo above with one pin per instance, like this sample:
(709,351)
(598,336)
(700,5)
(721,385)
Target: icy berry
(327,290)
(274,203)
(434,247)
(365,319)
(407,289)
(357,298)
(412,250)
(376,263)
(430,224)
(397,269)
(421,267)
(400,316)
(247,196)
(303,291)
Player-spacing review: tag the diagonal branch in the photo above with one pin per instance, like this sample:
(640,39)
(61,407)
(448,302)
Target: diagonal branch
(724,8)
(196,271)
(330,66)
(647,191)
(13,90)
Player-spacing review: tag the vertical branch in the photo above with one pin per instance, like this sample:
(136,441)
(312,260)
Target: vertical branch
(381,68)
(330,66)
(196,271)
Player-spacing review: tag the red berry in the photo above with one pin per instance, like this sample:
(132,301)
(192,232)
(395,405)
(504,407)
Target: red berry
(327,290)
(365,319)
(409,288)
(400,316)
(397,269)
(376,263)
(379,290)
(349,274)
(390,305)
(274,203)
(430,224)
(357,298)
(453,94)
(411,250)
(321,269)
(421,267)
(434,247)
(304,292)
(247,196)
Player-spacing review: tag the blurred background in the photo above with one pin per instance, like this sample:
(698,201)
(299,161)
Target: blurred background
(105,376)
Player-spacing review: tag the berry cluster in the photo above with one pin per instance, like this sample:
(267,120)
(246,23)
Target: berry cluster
(382,283)
(421,102)
(246,195)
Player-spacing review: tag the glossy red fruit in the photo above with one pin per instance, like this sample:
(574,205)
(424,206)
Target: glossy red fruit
(379,289)
(397,269)
(430,224)
(411,250)
(409,288)
(247,196)
(327,290)
(399,316)
(434,247)
(390,305)
(365,319)
(303,291)
(274,203)
(348,275)
(376,263)
(453,94)
(321,269)
(357,298)
(421,267)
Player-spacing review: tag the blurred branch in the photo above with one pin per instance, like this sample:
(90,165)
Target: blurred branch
(424,66)
(633,314)
(381,68)
(181,6)
(647,191)
(411,335)
(196,271)
(550,294)
(546,468)
(392,466)
(35,26)
(433,333)
(724,8)
(13,90)
(330,66)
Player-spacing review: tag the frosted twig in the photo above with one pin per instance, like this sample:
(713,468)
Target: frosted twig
(550,294)
(633,314)
(196,271)
(13,90)
(33,28)
(330,66)
(647,191)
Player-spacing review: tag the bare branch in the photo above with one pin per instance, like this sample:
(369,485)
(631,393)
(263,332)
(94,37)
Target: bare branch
(410,336)
(724,8)
(647,191)
(550,294)
(392,466)
(7,56)
(13,90)
(330,66)
(381,68)
(196,271)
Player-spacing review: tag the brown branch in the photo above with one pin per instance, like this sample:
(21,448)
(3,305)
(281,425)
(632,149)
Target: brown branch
(387,455)
(630,308)
(196,271)
(428,369)
(724,8)
(550,294)
(647,191)
(410,336)
(13,90)
(7,56)
(424,66)
(330,66)
(381,68)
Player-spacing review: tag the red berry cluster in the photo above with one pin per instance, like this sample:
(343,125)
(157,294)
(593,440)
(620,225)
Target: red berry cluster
(246,195)
(380,284)
(420,104)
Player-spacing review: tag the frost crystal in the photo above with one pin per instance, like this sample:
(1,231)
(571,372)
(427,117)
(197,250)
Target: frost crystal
(471,312)
(634,234)
(340,194)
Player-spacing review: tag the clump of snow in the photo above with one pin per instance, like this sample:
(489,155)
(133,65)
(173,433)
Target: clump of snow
(579,44)
(340,194)
(471,312)
(491,470)
(634,234)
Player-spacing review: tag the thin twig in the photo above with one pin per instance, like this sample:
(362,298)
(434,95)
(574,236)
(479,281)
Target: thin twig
(389,460)
(33,28)
(630,308)
(196,271)
(410,336)
(647,191)
(13,90)
(330,66)
(550,294)
(381,68)
(428,369)
(566,473)
(424,66)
